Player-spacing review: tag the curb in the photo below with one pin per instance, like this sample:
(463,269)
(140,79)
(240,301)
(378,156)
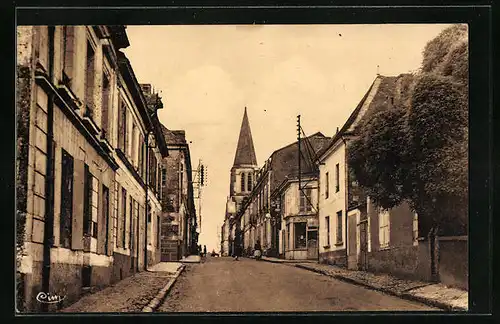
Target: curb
(406,296)
(153,304)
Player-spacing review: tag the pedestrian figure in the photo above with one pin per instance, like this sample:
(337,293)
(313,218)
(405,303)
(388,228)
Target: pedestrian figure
(205,250)
(257,250)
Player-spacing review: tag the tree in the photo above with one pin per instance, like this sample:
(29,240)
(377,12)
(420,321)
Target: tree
(418,150)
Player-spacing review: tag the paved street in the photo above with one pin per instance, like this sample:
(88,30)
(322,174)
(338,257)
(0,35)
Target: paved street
(224,285)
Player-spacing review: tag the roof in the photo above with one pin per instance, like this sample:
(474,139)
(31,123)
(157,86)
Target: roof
(376,98)
(284,162)
(173,136)
(245,151)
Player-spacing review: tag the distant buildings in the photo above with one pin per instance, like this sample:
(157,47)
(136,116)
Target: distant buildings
(179,236)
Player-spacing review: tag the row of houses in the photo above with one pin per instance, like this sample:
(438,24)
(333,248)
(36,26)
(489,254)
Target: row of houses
(304,203)
(103,188)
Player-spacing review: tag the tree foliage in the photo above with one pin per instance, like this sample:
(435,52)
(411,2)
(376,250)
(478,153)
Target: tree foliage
(418,150)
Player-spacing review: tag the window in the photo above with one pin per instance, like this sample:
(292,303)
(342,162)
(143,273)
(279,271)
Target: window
(266,200)
(415,229)
(66,200)
(384,228)
(131,222)
(242,180)
(300,235)
(163,177)
(105,211)
(158,228)
(141,155)
(158,182)
(133,148)
(68,53)
(327,226)
(327,185)
(288,247)
(337,177)
(249,184)
(91,192)
(124,217)
(106,97)
(149,225)
(89,80)
(305,200)
(339,227)
(122,125)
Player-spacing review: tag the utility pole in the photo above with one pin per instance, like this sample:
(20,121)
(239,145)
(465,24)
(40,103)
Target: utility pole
(298,140)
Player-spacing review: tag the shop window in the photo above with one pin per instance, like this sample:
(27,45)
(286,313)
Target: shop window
(300,235)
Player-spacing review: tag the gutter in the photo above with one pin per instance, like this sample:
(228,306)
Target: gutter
(346,199)
(146,208)
(48,237)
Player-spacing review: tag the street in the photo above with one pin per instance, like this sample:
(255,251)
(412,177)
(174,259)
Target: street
(225,285)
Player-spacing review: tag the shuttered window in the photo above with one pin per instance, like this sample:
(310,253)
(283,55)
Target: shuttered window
(66,199)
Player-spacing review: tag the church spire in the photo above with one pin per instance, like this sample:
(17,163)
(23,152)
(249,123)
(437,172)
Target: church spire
(245,152)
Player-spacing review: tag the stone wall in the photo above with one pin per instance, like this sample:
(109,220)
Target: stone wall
(454,262)
(337,257)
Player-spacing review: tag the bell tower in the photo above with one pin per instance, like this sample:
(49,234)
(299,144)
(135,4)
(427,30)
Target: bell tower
(244,165)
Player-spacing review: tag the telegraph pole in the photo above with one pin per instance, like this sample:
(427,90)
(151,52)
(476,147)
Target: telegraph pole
(298,140)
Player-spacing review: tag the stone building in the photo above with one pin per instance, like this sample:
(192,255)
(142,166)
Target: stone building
(81,189)
(259,216)
(241,180)
(179,236)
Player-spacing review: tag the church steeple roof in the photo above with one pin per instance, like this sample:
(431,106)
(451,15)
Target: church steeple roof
(245,152)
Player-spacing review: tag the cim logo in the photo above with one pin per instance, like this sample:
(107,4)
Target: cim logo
(47,298)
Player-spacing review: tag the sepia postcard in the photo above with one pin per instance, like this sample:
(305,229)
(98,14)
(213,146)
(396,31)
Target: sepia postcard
(242,168)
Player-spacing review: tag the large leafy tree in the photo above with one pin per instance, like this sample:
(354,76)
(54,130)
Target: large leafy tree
(417,150)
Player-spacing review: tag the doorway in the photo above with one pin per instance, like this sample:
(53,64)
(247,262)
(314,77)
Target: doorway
(363,245)
(312,244)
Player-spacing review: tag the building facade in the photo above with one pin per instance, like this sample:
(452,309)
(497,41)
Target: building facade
(299,218)
(242,179)
(81,180)
(179,222)
(260,216)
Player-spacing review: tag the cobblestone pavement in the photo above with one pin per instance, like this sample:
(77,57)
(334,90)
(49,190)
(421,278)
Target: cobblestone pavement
(381,281)
(128,295)
(434,294)
(225,285)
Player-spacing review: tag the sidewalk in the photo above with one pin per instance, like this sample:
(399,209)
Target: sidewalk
(437,295)
(276,260)
(131,294)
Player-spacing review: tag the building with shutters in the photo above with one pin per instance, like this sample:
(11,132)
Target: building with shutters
(178,222)
(83,131)
(260,216)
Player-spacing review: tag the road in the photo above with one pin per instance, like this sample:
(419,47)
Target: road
(225,285)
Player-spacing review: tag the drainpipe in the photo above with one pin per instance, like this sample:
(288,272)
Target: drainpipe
(346,188)
(147,205)
(48,238)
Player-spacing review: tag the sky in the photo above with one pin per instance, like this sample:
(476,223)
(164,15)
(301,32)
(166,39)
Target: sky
(207,74)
